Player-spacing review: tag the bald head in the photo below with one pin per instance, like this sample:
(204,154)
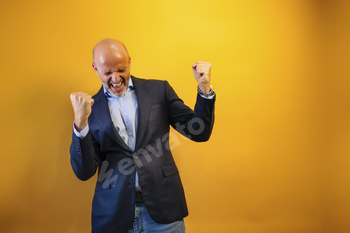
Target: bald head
(109,47)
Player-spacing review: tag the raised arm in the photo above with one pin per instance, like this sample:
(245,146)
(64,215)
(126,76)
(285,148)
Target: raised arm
(84,149)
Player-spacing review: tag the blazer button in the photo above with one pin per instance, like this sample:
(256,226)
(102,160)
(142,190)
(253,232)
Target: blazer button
(135,157)
(132,181)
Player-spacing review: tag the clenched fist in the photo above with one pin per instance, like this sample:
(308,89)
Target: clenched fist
(82,103)
(201,71)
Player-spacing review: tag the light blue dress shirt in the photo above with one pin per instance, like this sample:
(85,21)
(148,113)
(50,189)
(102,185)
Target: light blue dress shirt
(123,112)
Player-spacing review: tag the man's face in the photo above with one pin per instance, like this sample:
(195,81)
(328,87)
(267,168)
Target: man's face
(114,72)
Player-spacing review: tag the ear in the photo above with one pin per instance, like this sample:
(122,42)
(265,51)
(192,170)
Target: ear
(95,68)
(129,62)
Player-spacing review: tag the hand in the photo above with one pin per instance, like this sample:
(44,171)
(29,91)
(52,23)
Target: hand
(82,103)
(201,71)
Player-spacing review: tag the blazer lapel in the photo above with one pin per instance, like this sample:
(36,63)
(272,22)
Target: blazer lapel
(103,116)
(144,99)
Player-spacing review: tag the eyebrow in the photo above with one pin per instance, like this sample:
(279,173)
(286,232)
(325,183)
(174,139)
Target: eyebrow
(109,71)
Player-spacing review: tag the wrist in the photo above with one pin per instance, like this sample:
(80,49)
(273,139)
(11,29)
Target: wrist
(206,95)
(80,124)
(205,89)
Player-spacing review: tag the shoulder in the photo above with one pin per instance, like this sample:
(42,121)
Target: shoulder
(151,87)
(150,83)
(144,81)
(99,94)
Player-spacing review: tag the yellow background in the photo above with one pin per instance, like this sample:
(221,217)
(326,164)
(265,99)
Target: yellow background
(278,159)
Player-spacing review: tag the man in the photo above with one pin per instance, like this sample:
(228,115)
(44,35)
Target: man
(123,131)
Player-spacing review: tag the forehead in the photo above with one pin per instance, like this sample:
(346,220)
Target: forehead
(108,62)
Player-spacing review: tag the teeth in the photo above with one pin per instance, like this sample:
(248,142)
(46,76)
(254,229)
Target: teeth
(117,84)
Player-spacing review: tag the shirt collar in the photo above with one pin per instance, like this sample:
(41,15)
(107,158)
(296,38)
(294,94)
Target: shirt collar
(131,87)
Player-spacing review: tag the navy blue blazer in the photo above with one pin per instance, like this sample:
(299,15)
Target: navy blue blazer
(113,206)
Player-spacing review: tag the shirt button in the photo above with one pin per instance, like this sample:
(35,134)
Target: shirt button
(129,133)
(132,181)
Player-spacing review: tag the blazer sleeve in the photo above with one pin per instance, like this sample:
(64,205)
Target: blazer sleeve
(196,125)
(84,156)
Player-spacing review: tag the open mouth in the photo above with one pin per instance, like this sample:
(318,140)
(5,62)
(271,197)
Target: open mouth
(117,84)
(117,87)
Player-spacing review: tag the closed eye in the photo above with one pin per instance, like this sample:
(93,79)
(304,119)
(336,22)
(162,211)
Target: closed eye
(110,72)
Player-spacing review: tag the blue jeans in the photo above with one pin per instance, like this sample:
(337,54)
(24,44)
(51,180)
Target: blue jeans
(143,223)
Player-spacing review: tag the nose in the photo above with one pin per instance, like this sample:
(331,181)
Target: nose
(115,76)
